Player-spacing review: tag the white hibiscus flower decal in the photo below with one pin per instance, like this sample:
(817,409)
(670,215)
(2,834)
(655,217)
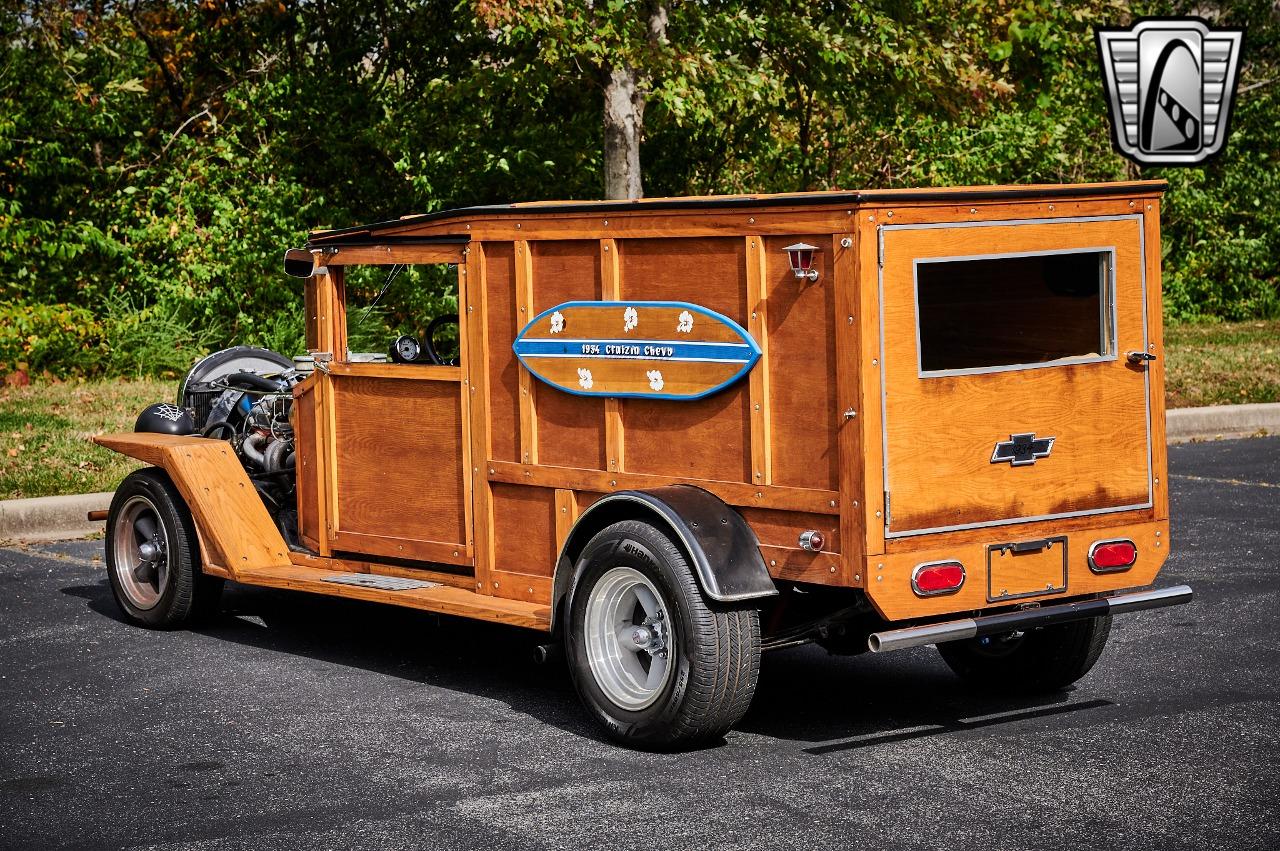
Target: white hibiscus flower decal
(630,319)
(584,379)
(557,322)
(686,322)
(655,379)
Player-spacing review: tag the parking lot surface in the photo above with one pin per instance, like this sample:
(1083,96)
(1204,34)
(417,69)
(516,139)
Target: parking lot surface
(300,722)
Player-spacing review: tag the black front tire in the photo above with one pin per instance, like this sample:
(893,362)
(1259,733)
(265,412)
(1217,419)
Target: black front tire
(713,651)
(182,593)
(1038,661)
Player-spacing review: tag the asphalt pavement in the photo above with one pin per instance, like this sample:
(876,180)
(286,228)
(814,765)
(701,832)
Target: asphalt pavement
(302,722)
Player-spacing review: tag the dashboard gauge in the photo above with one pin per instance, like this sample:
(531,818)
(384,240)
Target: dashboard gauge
(405,349)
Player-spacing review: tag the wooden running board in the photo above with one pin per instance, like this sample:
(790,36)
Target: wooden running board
(442,598)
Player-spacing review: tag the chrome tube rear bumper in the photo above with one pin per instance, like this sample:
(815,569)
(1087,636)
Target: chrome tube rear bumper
(936,633)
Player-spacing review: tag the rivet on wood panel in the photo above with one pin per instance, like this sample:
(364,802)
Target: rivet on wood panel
(606,222)
(846,242)
(878,514)
(875,361)
(564,510)
(751,221)
(855,503)
(455,552)
(857,577)
(1051,208)
(773,562)
(832,503)
(613,483)
(517,226)
(833,568)
(531,590)
(973,210)
(491,471)
(1130,205)
(871,218)
(757,406)
(889,214)
(606,248)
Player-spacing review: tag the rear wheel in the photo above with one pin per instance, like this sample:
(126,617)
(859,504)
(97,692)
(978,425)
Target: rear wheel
(153,558)
(657,665)
(1039,660)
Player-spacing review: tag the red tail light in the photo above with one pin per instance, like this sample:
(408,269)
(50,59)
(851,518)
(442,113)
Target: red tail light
(1109,556)
(935,578)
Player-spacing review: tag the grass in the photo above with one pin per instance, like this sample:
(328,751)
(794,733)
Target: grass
(45,430)
(1222,363)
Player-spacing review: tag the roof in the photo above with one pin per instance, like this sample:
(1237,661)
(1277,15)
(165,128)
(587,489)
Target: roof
(363,234)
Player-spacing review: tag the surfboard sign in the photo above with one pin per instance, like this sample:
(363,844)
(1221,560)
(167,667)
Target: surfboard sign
(636,349)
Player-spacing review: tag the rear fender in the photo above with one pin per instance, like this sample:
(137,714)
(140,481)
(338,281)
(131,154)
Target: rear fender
(722,550)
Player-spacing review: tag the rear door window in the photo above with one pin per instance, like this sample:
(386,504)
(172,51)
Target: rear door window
(991,313)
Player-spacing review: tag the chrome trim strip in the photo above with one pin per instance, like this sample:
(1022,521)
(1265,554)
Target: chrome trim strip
(964,576)
(911,533)
(1119,569)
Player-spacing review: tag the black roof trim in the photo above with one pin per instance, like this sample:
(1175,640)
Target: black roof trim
(355,239)
(805,199)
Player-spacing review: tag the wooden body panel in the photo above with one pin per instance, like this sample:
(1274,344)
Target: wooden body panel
(236,532)
(942,430)
(889,576)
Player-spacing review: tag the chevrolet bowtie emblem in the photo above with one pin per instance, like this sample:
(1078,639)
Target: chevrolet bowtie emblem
(1022,449)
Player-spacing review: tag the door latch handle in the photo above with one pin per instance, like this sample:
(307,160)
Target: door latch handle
(1139,358)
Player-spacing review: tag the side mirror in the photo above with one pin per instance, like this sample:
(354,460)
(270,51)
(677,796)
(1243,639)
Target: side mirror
(298,263)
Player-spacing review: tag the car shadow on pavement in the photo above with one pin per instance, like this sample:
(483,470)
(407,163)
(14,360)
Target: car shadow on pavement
(827,703)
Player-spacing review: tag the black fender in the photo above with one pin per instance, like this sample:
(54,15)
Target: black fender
(720,546)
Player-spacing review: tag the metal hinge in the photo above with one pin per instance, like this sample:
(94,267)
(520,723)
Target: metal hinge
(886,509)
(322,360)
(880,239)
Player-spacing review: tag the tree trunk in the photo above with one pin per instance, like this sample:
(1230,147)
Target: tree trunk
(623,126)
(625,90)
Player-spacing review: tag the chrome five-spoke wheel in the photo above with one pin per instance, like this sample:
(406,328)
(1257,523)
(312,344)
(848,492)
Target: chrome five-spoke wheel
(627,638)
(153,554)
(141,550)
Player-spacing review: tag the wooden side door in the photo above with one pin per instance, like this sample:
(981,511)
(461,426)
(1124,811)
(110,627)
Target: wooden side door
(1009,395)
(399,454)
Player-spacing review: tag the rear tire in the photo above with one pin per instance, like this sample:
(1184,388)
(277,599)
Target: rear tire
(1040,660)
(153,555)
(657,665)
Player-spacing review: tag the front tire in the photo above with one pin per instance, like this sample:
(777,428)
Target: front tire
(153,557)
(657,666)
(1037,661)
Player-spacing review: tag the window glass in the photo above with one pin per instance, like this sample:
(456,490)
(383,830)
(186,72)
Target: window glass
(387,303)
(1013,311)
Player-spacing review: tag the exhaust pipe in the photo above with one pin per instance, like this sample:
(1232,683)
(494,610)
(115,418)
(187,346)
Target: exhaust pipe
(938,633)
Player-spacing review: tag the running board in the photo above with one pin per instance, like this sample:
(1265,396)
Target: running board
(430,597)
(937,633)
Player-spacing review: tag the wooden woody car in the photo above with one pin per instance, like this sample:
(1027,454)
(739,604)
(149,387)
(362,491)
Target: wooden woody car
(678,432)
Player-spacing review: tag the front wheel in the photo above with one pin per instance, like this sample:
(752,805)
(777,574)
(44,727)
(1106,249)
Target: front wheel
(153,557)
(1039,660)
(657,666)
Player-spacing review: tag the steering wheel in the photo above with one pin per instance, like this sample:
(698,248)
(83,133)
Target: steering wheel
(429,340)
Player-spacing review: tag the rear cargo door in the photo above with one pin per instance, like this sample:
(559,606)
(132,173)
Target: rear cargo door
(1008,393)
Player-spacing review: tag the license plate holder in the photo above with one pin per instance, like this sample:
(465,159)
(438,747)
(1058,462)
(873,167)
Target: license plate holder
(1018,569)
